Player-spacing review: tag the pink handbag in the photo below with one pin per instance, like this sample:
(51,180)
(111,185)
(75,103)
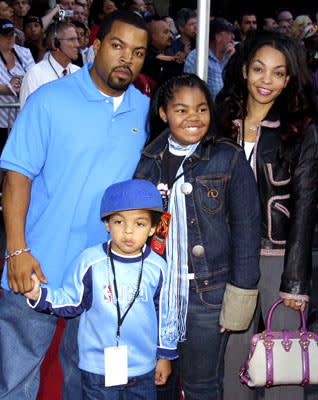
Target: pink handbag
(281,358)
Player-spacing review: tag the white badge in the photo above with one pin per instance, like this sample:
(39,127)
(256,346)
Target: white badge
(116,365)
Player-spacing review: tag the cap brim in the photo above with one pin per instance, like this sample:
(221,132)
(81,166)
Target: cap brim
(107,213)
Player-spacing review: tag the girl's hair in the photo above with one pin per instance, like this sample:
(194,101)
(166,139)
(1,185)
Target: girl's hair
(164,93)
(295,102)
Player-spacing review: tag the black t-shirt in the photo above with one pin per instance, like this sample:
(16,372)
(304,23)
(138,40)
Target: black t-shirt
(170,166)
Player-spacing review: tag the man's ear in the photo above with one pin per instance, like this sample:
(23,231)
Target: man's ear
(96,46)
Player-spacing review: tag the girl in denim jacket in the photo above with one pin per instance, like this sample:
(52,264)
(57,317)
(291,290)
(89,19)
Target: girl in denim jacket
(213,241)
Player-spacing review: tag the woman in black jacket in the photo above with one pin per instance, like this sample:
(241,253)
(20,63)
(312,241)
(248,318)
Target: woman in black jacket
(266,106)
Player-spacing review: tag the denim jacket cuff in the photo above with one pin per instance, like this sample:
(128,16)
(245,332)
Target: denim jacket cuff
(238,307)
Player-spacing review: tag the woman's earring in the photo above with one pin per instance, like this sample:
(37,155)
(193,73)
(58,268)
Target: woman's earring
(245,76)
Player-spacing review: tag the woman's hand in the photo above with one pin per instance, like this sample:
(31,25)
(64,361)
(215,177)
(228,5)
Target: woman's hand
(295,304)
(16,83)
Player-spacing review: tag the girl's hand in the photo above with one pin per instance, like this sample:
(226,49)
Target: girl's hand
(223,330)
(162,372)
(295,304)
(34,293)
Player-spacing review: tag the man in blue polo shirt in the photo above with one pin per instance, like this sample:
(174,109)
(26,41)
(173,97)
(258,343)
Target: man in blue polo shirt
(73,138)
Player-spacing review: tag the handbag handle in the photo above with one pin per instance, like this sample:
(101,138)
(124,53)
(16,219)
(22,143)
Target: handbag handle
(269,315)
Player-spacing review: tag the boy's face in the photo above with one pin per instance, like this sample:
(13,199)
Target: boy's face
(129,231)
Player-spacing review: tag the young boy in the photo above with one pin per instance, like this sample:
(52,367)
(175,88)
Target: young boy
(119,289)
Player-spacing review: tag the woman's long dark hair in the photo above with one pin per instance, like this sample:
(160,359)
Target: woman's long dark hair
(295,103)
(165,92)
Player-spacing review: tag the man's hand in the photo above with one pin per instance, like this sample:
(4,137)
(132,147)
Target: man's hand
(180,57)
(162,372)
(34,294)
(19,272)
(229,50)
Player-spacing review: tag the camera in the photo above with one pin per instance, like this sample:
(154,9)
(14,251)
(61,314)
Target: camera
(61,15)
(69,13)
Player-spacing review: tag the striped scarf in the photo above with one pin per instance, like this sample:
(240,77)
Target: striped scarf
(177,253)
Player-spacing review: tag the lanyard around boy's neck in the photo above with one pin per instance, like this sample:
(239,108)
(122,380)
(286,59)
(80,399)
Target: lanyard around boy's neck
(120,319)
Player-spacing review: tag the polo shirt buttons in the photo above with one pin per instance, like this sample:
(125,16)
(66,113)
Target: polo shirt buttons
(198,251)
(113,120)
(186,188)
(106,101)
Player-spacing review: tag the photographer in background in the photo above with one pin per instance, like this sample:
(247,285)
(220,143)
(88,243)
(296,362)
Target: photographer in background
(63,44)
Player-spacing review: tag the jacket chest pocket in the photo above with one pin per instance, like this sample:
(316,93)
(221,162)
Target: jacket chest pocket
(211,193)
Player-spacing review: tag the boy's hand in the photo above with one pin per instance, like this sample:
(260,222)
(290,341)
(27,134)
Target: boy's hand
(162,372)
(34,294)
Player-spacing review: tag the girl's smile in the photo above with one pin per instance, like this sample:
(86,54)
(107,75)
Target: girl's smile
(188,115)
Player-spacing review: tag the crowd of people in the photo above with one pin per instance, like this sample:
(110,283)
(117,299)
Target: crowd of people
(114,150)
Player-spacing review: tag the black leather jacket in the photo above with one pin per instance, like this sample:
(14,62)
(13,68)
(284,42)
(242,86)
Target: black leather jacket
(287,179)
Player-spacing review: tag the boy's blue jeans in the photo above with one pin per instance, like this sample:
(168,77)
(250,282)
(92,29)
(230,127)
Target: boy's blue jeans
(138,388)
(25,336)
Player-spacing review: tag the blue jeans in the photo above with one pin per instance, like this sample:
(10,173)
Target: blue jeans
(201,355)
(138,388)
(25,335)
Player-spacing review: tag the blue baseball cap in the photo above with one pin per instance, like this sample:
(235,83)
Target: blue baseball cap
(130,195)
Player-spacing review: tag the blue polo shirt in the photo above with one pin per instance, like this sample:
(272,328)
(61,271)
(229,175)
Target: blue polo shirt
(72,144)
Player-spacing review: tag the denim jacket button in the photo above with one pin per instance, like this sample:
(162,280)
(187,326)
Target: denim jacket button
(198,250)
(193,221)
(205,283)
(186,188)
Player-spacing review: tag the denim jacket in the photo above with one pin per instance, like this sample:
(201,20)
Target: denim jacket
(223,213)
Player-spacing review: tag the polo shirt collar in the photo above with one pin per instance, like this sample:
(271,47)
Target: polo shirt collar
(91,92)
(214,57)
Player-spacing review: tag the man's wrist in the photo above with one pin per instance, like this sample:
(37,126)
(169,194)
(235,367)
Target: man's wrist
(17,253)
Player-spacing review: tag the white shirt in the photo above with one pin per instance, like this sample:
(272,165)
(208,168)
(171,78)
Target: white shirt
(249,147)
(43,72)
